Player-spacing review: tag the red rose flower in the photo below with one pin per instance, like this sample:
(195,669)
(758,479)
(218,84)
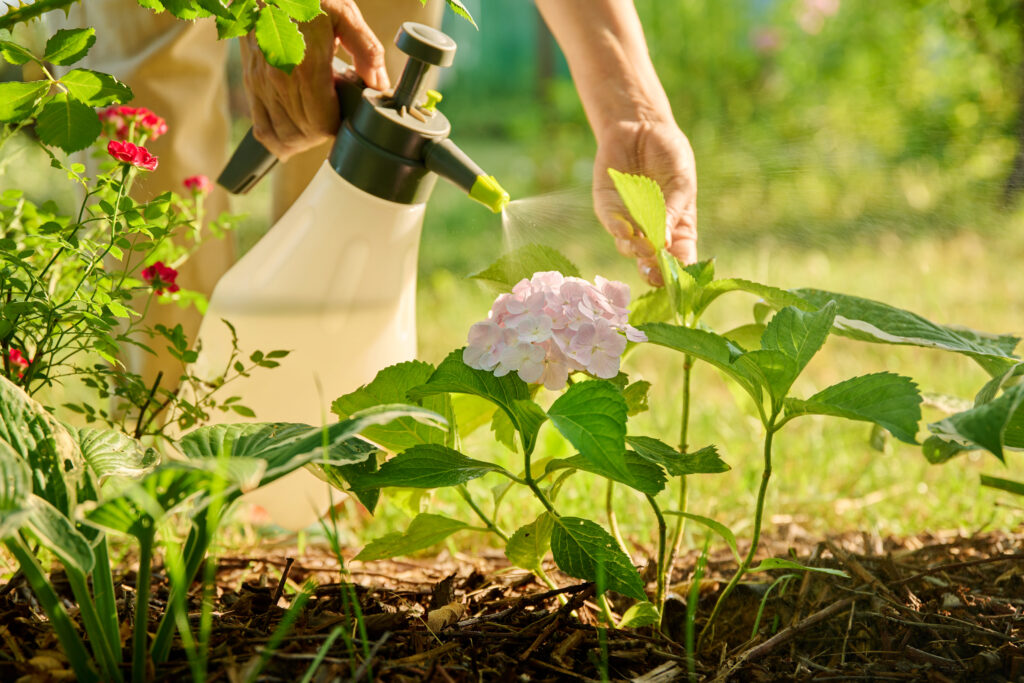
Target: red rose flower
(18,360)
(135,155)
(118,120)
(153,125)
(161,277)
(199,184)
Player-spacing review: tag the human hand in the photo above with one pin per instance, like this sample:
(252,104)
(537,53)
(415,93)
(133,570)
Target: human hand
(662,152)
(295,112)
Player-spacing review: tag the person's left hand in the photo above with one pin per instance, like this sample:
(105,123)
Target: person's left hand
(658,150)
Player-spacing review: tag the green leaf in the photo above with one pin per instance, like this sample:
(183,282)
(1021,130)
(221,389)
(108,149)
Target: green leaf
(985,425)
(639,615)
(67,123)
(342,476)
(14,53)
(889,400)
(703,272)
(17,99)
(58,534)
(460,9)
(67,46)
(937,450)
(94,88)
(112,453)
(215,8)
(592,416)
(703,461)
(522,263)
(299,10)
(584,550)
(798,336)
(279,39)
(645,203)
(15,488)
(722,530)
(681,287)
(187,10)
(243,18)
(424,531)
(391,385)
(1008,485)
(644,475)
(651,307)
(636,397)
(872,321)
(530,543)
(427,466)
(778,298)
(772,563)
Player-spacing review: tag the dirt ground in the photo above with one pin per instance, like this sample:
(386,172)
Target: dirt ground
(939,607)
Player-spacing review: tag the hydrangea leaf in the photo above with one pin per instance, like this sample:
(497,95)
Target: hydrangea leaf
(639,615)
(67,123)
(424,531)
(798,336)
(427,466)
(279,38)
(775,296)
(530,543)
(889,400)
(636,397)
(644,475)
(94,88)
(17,99)
(651,307)
(342,476)
(987,425)
(592,416)
(722,530)
(299,10)
(584,550)
(67,46)
(645,202)
(703,461)
(522,263)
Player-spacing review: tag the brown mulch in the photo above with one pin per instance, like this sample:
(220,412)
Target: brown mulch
(934,608)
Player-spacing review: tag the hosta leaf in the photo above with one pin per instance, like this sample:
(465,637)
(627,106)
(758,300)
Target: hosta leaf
(523,263)
(771,563)
(67,46)
(644,475)
(391,385)
(722,530)
(112,453)
(889,400)
(243,17)
(703,461)
(424,531)
(867,320)
(43,444)
(67,123)
(94,88)
(279,38)
(15,488)
(427,466)
(17,99)
(645,203)
(584,550)
(1008,485)
(778,298)
(58,534)
(299,10)
(592,416)
(986,425)
(529,544)
(639,615)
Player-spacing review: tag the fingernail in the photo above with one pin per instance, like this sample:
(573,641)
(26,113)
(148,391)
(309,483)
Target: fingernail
(643,247)
(620,228)
(383,82)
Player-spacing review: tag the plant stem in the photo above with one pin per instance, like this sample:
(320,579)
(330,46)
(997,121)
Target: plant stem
(613,521)
(195,549)
(684,435)
(491,526)
(606,610)
(662,550)
(758,517)
(94,628)
(106,601)
(528,476)
(146,539)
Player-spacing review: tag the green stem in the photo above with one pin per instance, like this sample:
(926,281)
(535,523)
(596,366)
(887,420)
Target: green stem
(758,517)
(613,521)
(528,477)
(606,610)
(662,551)
(684,430)
(106,599)
(195,549)
(491,526)
(102,647)
(146,539)
(74,648)
(29,12)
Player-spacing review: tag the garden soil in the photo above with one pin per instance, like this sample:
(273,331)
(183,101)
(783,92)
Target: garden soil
(937,608)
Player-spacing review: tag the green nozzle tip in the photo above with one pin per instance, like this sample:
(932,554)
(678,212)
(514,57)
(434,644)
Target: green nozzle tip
(488,192)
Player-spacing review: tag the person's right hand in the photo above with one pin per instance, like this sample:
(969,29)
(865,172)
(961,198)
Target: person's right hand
(295,112)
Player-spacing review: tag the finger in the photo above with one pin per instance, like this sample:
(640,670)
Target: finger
(683,236)
(360,42)
(624,247)
(650,272)
(642,247)
(620,227)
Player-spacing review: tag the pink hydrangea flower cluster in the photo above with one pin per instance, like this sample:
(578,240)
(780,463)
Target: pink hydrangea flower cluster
(552,325)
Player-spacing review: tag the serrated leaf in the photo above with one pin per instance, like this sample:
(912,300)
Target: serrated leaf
(889,400)
(215,8)
(14,53)
(636,397)
(703,461)
(592,416)
(584,550)
(645,202)
(341,476)
(67,123)
(778,298)
(798,335)
(530,543)
(424,531)
(94,88)
(243,18)
(639,615)
(772,563)
(299,10)
(391,385)
(937,450)
(703,272)
(187,10)
(722,530)
(279,38)
(873,321)
(427,466)
(17,99)
(67,46)
(644,476)
(460,9)
(682,288)
(1008,485)
(985,425)
(651,307)
(522,263)
(112,453)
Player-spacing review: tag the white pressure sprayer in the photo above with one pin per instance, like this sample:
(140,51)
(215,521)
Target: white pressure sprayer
(334,280)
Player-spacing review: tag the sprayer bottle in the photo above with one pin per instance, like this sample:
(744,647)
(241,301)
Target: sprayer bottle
(334,280)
